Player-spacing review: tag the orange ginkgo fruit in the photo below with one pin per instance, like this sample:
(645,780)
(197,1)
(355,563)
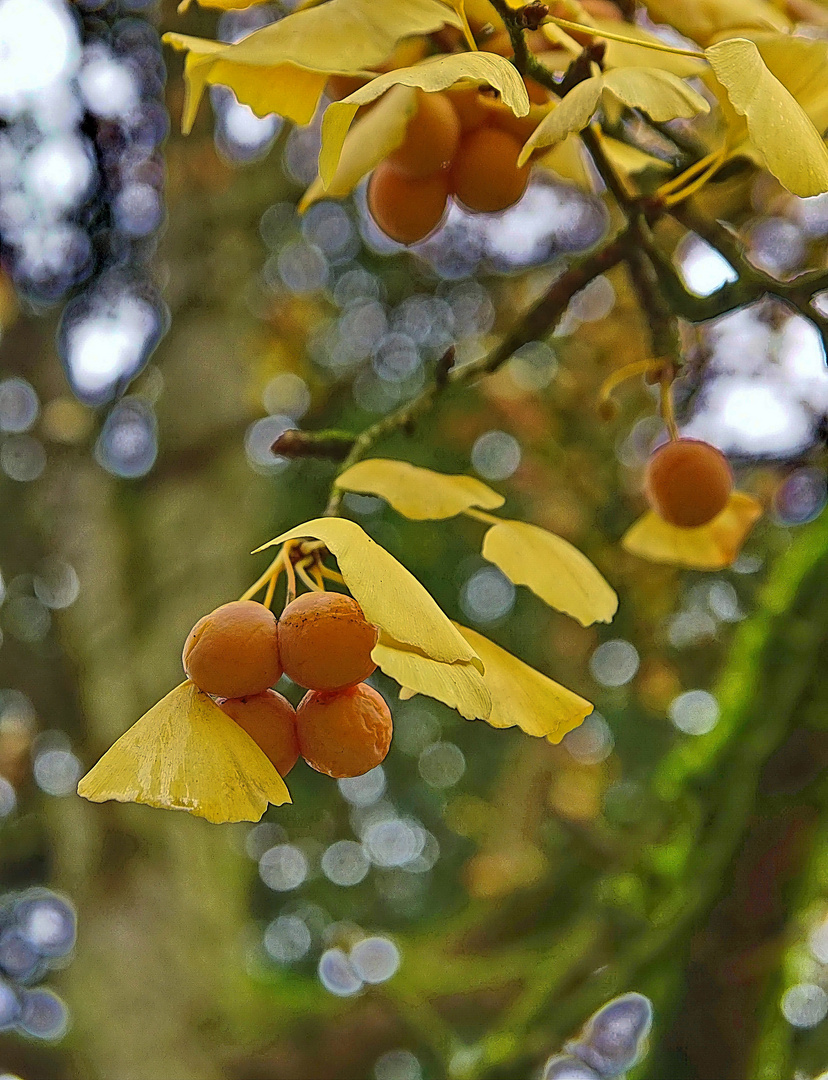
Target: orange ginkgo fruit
(431,138)
(407,210)
(688,482)
(325,641)
(234,651)
(270,721)
(345,733)
(471,105)
(485,176)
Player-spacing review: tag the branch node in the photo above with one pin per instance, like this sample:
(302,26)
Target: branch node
(531,16)
(444,366)
(333,445)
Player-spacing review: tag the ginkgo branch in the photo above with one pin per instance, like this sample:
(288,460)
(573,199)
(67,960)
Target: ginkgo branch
(660,290)
(537,321)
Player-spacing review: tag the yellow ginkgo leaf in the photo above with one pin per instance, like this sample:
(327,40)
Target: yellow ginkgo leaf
(283,67)
(552,568)
(522,696)
(780,129)
(436,73)
(419,494)
(660,94)
(389,595)
(460,685)
(572,114)
(800,64)
(629,161)
(370,141)
(705,20)
(186,754)
(708,547)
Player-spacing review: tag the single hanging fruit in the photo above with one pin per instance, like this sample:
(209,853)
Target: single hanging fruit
(688,482)
(325,641)
(270,721)
(345,733)
(234,651)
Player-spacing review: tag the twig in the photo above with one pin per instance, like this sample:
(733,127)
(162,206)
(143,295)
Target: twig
(515,29)
(540,318)
(332,445)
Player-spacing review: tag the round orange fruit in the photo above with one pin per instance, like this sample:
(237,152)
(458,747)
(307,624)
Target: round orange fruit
(234,651)
(406,210)
(345,733)
(270,721)
(325,641)
(485,176)
(688,482)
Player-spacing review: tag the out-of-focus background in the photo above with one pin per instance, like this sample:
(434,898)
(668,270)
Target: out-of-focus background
(462,909)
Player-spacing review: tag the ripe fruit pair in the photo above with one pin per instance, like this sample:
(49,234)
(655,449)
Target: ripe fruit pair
(456,144)
(322,641)
(688,482)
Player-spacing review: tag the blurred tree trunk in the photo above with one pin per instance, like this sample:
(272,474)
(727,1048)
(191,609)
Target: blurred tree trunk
(162,898)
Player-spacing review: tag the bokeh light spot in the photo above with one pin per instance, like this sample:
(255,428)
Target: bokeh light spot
(614,663)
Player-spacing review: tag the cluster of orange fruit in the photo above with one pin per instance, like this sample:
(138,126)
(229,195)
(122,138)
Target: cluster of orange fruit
(461,143)
(455,145)
(322,641)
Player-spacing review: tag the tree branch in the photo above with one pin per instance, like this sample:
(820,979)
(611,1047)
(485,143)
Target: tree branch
(538,320)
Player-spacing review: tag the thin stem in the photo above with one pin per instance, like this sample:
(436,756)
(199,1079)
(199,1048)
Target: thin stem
(541,317)
(695,185)
(303,574)
(291,576)
(668,412)
(481,515)
(331,575)
(622,374)
(271,588)
(515,32)
(669,186)
(264,579)
(316,574)
(593,31)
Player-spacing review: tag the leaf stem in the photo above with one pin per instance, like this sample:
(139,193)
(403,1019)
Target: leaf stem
(271,588)
(274,568)
(594,31)
(306,578)
(481,515)
(291,575)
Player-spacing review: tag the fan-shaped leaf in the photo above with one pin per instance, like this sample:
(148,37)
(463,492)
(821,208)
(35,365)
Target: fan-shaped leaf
(460,685)
(522,696)
(780,129)
(419,494)
(660,94)
(705,20)
(283,67)
(370,141)
(552,568)
(573,113)
(186,754)
(708,547)
(389,595)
